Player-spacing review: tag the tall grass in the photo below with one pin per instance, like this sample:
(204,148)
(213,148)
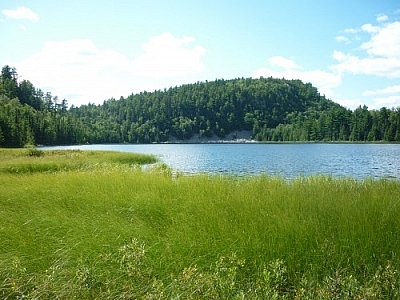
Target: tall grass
(32,160)
(108,232)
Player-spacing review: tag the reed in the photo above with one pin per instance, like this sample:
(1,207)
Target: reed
(100,229)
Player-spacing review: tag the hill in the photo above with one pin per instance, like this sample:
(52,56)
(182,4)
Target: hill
(268,109)
(206,108)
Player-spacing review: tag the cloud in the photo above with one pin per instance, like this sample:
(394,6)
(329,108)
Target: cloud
(342,39)
(382,18)
(351,30)
(391,101)
(324,81)
(370,28)
(282,62)
(388,97)
(386,42)
(349,103)
(381,53)
(388,90)
(378,66)
(168,56)
(21,13)
(75,68)
(80,72)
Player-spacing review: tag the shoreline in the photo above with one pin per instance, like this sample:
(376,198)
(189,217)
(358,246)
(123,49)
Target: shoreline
(235,137)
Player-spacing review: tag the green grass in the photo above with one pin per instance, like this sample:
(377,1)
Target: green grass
(33,160)
(94,228)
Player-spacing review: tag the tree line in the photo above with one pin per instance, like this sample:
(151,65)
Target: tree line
(272,109)
(30,116)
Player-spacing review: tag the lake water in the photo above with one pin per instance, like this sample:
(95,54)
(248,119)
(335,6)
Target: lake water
(287,160)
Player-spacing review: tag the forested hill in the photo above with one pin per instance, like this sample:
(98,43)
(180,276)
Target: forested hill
(206,108)
(271,109)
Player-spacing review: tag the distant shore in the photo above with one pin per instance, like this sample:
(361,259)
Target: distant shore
(246,136)
(237,137)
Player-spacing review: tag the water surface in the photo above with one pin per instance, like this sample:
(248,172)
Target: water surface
(287,160)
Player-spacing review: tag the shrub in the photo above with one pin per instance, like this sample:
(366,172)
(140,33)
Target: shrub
(32,151)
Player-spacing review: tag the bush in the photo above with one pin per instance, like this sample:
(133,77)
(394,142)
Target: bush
(32,151)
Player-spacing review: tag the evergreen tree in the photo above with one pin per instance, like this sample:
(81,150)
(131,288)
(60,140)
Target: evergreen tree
(273,109)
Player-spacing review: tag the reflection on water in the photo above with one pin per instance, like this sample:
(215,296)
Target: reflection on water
(286,160)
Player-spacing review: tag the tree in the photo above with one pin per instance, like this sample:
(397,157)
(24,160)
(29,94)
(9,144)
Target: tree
(9,85)
(361,124)
(273,109)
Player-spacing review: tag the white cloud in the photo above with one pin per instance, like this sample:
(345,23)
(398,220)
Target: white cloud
(382,18)
(388,97)
(349,103)
(284,63)
(21,13)
(382,53)
(386,42)
(351,30)
(167,56)
(75,68)
(388,90)
(324,81)
(80,72)
(342,39)
(370,28)
(389,102)
(384,67)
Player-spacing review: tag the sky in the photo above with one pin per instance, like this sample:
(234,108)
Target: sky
(91,51)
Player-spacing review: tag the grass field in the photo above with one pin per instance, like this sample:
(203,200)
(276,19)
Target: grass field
(89,225)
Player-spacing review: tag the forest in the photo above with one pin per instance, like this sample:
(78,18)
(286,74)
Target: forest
(274,110)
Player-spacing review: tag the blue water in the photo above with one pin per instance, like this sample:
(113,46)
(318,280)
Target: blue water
(287,160)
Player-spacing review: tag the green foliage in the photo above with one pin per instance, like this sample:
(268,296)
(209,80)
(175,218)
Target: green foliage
(33,151)
(271,109)
(204,108)
(28,116)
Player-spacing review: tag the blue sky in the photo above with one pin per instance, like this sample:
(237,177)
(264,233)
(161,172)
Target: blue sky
(90,51)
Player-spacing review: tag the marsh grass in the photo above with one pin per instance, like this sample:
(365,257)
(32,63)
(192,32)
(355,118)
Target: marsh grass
(33,160)
(106,230)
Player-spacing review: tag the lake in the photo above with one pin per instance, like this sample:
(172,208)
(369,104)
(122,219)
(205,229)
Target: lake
(359,161)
